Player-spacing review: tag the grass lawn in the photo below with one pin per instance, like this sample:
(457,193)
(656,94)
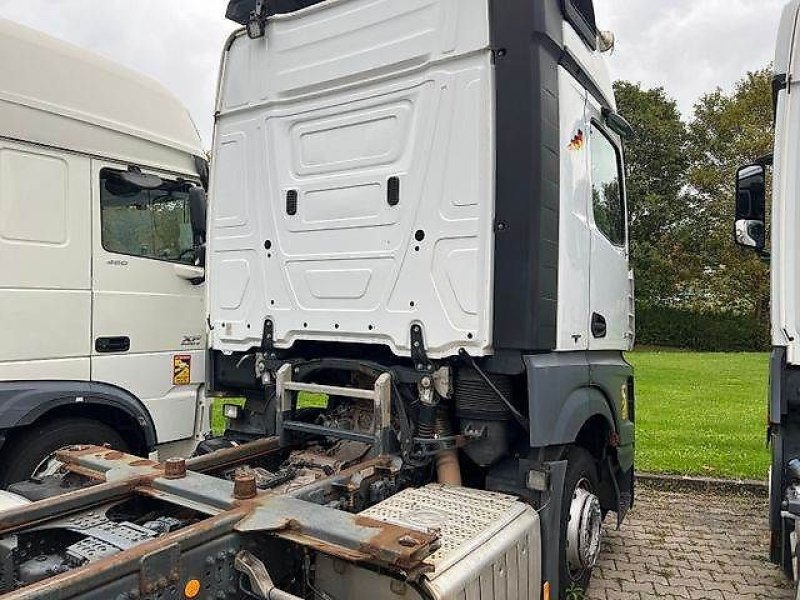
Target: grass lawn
(701,414)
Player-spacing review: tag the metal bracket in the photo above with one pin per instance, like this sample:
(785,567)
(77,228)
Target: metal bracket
(418,353)
(256,572)
(257,25)
(268,341)
(160,570)
(380,396)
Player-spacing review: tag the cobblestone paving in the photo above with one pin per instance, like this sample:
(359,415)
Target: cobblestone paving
(689,545)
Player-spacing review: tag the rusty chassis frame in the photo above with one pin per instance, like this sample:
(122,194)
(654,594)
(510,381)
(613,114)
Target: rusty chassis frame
(289,517)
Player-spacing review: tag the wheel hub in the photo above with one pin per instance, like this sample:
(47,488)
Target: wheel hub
(584,529)
(49,466)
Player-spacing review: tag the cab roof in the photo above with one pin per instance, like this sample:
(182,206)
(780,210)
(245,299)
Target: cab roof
(56,94)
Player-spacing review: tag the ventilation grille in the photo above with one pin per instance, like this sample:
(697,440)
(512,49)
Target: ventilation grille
(476,400)
(465,517)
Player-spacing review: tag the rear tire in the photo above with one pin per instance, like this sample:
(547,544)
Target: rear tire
(580,508)
(30,448)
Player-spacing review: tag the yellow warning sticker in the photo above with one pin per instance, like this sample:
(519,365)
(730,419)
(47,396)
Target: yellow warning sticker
(181,369)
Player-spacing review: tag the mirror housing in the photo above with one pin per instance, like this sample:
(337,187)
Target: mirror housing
(751,207)
(143,181)
(618,124)
(198,205)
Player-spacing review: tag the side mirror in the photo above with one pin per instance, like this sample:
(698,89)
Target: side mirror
(751,202)
(198,205)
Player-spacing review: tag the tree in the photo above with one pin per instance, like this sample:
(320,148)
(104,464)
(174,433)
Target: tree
(656,173)
(727,131)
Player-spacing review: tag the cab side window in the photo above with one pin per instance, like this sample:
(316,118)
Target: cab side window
(147,223)
(607,192)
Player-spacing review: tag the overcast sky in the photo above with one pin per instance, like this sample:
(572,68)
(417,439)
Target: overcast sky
(687,46)
(690,47)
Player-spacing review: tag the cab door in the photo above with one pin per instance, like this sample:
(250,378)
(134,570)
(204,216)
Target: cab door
(148,317)
(611,285)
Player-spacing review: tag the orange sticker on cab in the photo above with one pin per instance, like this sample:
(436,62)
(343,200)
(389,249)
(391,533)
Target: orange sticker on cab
(181,369)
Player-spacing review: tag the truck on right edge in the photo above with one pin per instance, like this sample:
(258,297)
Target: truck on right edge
(751,232)
(418,278)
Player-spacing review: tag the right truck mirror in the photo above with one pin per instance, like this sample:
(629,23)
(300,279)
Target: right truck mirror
(751,201)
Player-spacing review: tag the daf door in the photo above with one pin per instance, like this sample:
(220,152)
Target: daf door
(610,290)
(148,313)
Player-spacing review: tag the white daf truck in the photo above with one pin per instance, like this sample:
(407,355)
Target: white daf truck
(101,232)
(418,278)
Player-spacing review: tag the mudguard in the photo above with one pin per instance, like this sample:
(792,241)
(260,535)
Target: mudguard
(23,402)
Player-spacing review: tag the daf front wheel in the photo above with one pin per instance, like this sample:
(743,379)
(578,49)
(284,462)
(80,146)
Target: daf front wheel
(31,451)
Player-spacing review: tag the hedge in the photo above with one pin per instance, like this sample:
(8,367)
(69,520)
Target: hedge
(678,328)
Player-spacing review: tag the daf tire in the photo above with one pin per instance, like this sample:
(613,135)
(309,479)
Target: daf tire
(581,523)
(29,451)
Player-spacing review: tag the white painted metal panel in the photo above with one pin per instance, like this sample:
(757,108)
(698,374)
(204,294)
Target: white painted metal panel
(575,241)
(45,228)
(44,324)
(786,208)
(45,219)
(339,99)
(58,369)
(150,378)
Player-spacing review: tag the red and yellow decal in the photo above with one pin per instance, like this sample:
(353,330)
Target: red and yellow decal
(181,369)
(578,141)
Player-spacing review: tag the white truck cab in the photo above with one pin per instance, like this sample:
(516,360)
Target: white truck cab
(101,276)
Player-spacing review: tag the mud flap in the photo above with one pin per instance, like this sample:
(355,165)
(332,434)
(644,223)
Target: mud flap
(623,490)
(550,522)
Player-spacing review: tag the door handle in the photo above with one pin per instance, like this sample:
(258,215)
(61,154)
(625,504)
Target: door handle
(108,345)
(599,326)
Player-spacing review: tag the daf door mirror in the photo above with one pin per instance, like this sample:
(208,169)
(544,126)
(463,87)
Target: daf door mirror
(751,203)
(198,205)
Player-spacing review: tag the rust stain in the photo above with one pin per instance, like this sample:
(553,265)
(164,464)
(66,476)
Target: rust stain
(349,554)
(113,455)
(397,546)
(144,463)
(73,452)
(86,472)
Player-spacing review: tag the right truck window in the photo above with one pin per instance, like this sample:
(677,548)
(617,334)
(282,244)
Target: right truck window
(607,200)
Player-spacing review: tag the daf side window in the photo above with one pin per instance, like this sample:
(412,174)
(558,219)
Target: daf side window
(148,218)
(607,191)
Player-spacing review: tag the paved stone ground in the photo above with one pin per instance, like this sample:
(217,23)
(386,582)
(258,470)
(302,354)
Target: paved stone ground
(689,545)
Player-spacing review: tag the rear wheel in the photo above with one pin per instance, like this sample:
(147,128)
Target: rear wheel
(30,453)
(581,524)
